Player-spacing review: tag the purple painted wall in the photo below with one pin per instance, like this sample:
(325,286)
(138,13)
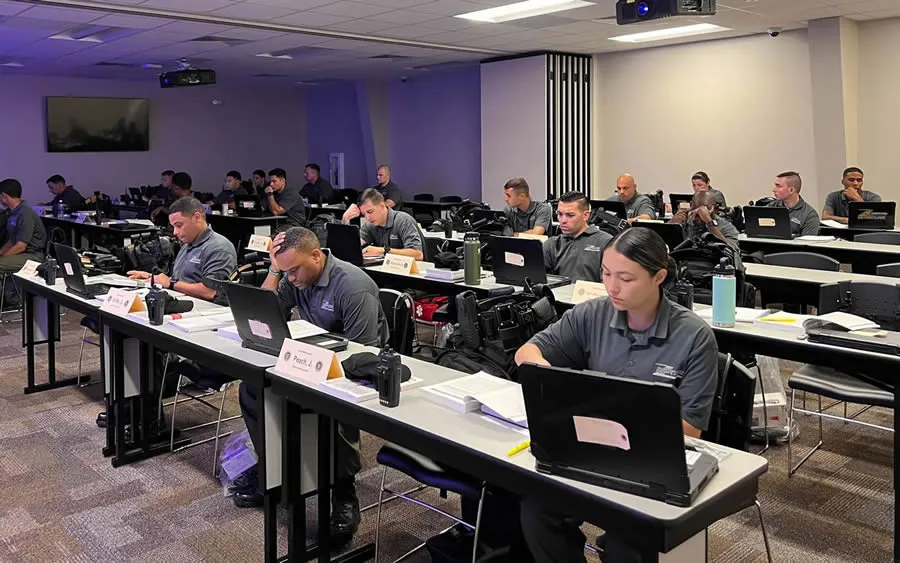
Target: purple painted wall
(435,132)
(249,129)
(333,125)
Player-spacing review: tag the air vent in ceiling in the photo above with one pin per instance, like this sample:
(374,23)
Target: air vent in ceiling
(112,63)
(390,57)
(217,39)
(270,75)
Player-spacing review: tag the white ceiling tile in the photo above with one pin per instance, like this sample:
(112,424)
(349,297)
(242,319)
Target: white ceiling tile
(192,28)
(448,7)
(192,6)
(411,32)
(53,13)
(131,22)
(404,17)
(351,9)
(398,3)
(8,8)
(249,34)
(296,5)
(311,19)
(260,12)
(48,26)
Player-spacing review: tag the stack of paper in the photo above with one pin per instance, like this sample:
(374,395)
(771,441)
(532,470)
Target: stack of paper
(445,274)
(741,315)
(492,395)
(840,321)
(203,322)
(832,223)
(786,322)
(357,392)
(816,238)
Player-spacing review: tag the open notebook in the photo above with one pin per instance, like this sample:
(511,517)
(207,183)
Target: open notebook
(482,391)
(799,324)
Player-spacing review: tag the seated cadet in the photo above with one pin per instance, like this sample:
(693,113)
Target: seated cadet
(179,187)
(804,219)
(577,252)
(259,182)
(164,188)
(523,214)
(703,217)
(837,204)
(635,333)
(342,299)
(637,205)
(393,196)
(700,181)
(317,189)
(231,189)
(285,200)
(25,235)
(385,230)
(203,253)
(68,195)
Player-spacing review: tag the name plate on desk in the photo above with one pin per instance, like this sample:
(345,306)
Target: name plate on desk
(585,290)
(307,363)
(121,302)
(259,243)
(400,264)
(29,269)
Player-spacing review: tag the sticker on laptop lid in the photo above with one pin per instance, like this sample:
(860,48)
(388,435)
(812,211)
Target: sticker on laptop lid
(765,222)
(68,267)
(260,329)
(514,259)
(601,431)
(684,205)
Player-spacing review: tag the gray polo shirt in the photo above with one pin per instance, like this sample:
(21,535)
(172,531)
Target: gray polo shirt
(804,219)
(720,197)
(294,208)
(537,215)
(838,204)
(23,224)
(692,229)
(577,258)
(344,300)
(399,231)
(639,205)
(679,349)
(211,255)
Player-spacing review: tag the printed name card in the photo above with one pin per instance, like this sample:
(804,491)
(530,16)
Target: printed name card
(29,269)
(514,259)
(307,363)
(259,243)
(400,264)
(121,302)
(765,222)
(584,290)
(601,431)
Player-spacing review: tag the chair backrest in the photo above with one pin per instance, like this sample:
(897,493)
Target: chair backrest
(347,196)
(398,309)
(888,237)
(253,273)
(889,270)
(879,302)
(732,412)
(808,260)
(423,197)
(450,199)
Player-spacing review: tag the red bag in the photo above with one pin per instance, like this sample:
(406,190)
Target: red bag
(426,306)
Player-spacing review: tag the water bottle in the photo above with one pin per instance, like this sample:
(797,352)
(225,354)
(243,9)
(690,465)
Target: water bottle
(448,229)
(724,294)
(472,258)
(60,208)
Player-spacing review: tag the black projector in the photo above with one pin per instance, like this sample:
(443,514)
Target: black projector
(189,77)
(634,11)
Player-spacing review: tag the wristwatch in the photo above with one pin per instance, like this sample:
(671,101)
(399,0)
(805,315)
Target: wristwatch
(172,283)
(274,272)
(712,222)
(387,249)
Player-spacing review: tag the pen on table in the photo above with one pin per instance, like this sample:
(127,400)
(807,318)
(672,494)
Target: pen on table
(523,446)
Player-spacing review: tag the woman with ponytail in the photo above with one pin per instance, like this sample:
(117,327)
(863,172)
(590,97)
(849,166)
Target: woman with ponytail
(636,333)
(700,181)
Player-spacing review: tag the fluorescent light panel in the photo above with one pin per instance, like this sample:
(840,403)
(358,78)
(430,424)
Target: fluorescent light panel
(271,56)
(12,65)
(527,9)
(671,33)
(64,37)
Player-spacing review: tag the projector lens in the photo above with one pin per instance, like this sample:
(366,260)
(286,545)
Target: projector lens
(643,9)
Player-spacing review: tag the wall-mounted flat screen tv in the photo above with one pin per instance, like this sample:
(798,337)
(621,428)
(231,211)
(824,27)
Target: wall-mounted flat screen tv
(98,124)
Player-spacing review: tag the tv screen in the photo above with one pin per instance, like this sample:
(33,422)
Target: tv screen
(98,124)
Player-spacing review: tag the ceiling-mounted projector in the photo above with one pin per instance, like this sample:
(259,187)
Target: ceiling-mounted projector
(634,11)
(187,77)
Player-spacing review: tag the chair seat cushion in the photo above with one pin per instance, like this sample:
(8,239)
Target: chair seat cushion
(839,385)
(427,471)
(91,324)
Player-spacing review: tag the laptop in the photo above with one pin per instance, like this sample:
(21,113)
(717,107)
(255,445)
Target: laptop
(767,222)
(515,259)
(680,201)
(260,324)
(73,274)
(344,243)
(248,206)
(622,434)
(616,208)
(872,215)
(671,233)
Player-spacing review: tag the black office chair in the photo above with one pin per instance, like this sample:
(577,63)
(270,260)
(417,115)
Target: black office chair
(347,196)
(887,237)
(808,260)
(450,199)
(423,197)
(252,273)
(889,270)
(398,309)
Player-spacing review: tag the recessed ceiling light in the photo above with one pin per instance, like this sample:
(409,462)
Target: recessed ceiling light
(64,37)
(520,10)
(671,33)
(12,65)
(271,56)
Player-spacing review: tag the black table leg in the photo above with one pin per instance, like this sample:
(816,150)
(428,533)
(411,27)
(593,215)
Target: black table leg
(293,487)
(896,479)
(325,439)
(270,497)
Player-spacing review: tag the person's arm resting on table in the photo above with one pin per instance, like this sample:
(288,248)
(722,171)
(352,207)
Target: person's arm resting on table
(832,201)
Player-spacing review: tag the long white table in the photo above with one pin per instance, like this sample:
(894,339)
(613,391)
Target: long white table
(863,256)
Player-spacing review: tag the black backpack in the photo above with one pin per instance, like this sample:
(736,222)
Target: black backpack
(697,257)
(607,223)
(318,225)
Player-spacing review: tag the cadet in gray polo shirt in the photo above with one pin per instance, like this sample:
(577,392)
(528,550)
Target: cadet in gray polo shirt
(634,333)
(524,214)
(702,218)
(341,298)
(203,253)
(804,219)
(387,230)
(25,234)
(637,205)
(576,253)
(837,204)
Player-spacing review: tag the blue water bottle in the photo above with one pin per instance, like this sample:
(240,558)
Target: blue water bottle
(724,296)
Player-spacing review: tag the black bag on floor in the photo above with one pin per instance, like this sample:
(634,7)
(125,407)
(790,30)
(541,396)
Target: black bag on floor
(697,257)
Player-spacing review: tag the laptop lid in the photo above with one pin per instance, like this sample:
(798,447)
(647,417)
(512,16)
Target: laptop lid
(70,267)
(671,233)
(621,428)
(680,201)
(514,259)
(767,222)
(344,243)
(486,215)
(257,317)
(616,208)
(872,214)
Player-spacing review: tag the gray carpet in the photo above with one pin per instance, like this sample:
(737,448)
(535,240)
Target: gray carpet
(62,501)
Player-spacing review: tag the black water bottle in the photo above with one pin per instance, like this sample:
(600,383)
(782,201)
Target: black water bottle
(448,230)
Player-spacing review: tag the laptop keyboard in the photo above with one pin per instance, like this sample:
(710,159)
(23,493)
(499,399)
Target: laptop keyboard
(691,457)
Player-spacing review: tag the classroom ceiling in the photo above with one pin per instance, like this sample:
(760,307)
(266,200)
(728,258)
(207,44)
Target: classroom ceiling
(313,41)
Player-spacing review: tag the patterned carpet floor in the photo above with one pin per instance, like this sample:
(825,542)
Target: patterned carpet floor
(62,501)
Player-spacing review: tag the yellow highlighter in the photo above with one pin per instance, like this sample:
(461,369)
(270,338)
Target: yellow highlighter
(523,446)
(777,320)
